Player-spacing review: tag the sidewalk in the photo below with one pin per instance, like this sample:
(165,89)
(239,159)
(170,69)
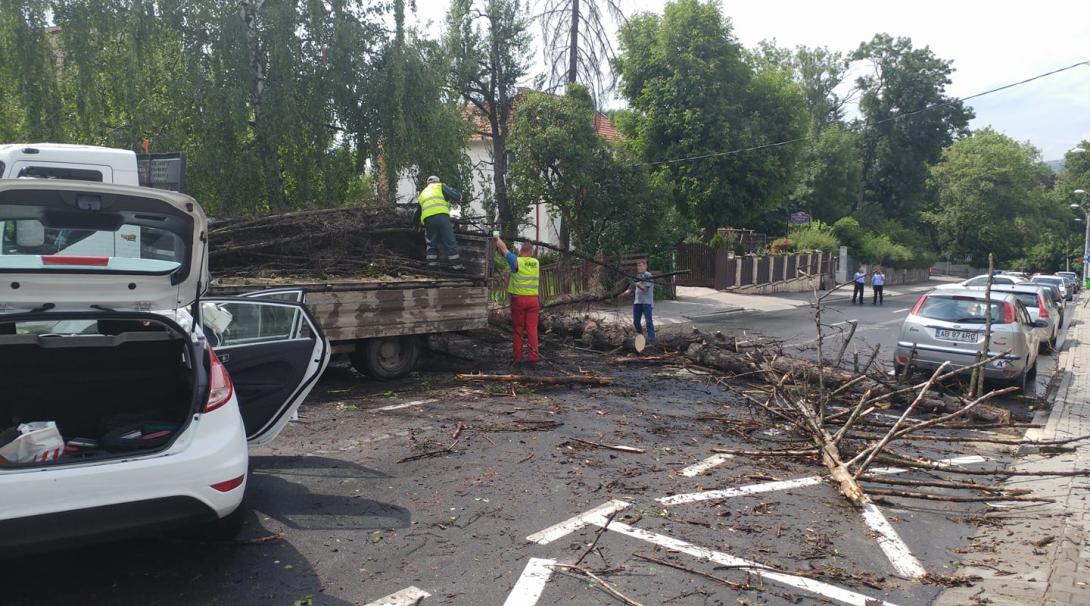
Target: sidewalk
(695,304)
(1039,554)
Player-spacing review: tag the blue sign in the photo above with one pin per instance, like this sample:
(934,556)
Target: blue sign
(799,218)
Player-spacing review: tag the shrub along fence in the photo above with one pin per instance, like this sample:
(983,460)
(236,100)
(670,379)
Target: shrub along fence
(720,269)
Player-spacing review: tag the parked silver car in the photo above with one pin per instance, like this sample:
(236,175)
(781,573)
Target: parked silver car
(1074,278)
(1067,290)
(982,281)
(948,326)
(1040,307)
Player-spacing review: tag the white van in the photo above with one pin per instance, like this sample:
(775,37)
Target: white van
(71,163)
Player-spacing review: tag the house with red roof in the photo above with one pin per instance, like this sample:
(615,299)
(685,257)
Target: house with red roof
(539,225)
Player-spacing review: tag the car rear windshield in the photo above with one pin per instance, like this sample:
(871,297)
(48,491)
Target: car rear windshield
(964,310)
(29,244)
(1029,299)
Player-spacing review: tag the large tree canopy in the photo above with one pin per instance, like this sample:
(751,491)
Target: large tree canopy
(600,195)
(695,102)
(990,197)
(899,140)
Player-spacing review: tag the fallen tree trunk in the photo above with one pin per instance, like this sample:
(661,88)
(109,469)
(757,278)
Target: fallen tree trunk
(565,380)
(722,359)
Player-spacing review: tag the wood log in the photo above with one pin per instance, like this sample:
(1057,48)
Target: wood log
(542,380)
(722,359)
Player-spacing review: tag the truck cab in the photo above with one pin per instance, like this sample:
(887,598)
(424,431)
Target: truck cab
(70,163)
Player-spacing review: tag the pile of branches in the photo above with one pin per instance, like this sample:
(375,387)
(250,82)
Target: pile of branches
(353,241)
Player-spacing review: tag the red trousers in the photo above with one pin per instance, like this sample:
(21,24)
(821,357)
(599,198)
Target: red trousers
(524,312)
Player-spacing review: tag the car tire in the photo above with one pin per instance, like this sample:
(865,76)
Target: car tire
(1027,381)
(386,358)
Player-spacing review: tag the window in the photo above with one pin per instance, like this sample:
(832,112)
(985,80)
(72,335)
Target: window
(163,250)
(965,310)
(1028,299)
(2,167)
(261,323)
(54,172)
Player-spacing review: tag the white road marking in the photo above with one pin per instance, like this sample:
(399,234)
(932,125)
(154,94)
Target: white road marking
(831,592)
(527,591)
(902,310)
(405,405)
(692,497)
(699,468)
(569,526)
(725,493)
(898,553)
(410,596)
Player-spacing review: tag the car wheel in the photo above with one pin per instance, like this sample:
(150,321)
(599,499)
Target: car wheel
(386,358)
(1027,382)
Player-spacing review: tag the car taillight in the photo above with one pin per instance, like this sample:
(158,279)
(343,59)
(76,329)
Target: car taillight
(1043,313)
(1008,312)
(918,305)
(220,387)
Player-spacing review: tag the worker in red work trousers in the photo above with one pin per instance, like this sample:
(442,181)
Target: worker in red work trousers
(525,307)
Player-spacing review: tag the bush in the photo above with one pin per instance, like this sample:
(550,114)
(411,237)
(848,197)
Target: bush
(848,231)
(815,236)
(717,241)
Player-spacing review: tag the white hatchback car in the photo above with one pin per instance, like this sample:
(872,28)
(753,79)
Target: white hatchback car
(98,288)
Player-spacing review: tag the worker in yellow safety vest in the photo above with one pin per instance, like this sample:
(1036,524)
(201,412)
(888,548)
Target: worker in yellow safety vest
(525,307)
(435,215)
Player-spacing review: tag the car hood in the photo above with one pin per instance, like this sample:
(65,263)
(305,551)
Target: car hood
(120,264)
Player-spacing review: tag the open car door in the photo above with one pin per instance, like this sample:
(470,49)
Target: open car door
(274,352)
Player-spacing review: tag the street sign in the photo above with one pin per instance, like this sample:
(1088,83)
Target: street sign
(162,171)
(799,217)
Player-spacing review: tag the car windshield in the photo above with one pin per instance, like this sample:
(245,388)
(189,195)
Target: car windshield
(964,310)
(983,280)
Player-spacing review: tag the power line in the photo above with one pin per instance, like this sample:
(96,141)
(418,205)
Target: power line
(870,124)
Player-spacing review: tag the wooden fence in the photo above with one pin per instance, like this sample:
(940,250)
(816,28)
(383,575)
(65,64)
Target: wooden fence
(571,278)
(718,269)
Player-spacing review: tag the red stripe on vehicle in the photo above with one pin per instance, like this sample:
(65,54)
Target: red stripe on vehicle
(75,260)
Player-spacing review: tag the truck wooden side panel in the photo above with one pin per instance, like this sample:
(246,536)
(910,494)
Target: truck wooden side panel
(362,314)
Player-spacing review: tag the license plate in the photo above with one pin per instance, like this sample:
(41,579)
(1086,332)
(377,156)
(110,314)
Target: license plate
(964,336)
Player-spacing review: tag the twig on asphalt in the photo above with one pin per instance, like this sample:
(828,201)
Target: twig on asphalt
(601,582)
(594,543)
(618,447)
(731,584)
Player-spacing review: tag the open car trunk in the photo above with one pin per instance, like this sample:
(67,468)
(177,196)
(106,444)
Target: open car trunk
(114,387)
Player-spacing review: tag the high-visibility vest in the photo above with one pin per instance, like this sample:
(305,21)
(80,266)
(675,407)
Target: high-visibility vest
(433,202)
(525,280)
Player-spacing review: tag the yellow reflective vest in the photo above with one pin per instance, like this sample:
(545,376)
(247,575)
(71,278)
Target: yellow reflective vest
(433,202)
(525,280)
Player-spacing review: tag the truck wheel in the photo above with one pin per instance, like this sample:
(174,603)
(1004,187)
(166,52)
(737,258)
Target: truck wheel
(386,358)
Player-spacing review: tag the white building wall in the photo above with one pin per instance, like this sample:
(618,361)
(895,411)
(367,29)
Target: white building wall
(539,225)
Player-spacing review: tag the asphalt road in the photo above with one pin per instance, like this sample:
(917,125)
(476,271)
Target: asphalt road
(876,326)
(430,486)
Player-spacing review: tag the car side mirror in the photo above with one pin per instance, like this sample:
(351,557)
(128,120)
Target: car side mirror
(1040,323)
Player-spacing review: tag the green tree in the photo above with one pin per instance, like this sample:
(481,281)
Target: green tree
(989,195)
(907,121)
(489,47)
(601,196)
(694,102)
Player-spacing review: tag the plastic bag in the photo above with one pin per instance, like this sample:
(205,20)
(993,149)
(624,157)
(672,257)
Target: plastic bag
(40,442)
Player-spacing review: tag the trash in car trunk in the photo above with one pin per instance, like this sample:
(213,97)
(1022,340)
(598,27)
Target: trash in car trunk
(111,386)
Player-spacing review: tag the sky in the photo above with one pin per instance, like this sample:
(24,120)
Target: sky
(990,43)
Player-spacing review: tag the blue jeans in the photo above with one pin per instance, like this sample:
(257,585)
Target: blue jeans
(438,231)
(643,310)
